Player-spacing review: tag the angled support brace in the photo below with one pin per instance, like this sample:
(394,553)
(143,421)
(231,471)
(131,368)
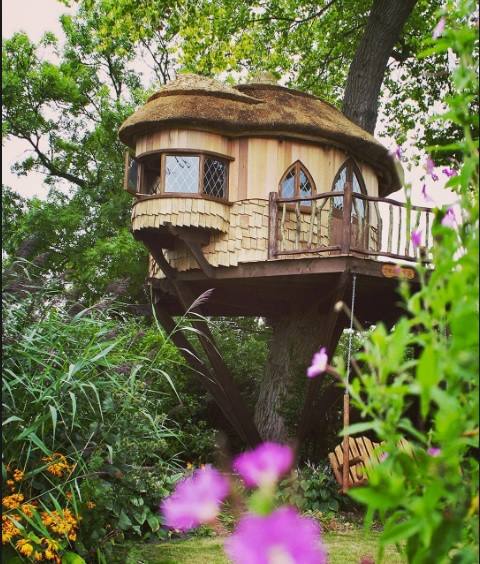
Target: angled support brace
(199,368)
(193,242)
(238,412)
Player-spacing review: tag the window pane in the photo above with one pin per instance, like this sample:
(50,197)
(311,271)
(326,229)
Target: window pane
(305,188)
(358,206)
(214,178)
(132,174)
(150,174)
(339,187)
(288,185)
(181,174)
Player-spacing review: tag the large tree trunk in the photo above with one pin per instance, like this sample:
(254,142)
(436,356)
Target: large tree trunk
(295,339)
(365,76)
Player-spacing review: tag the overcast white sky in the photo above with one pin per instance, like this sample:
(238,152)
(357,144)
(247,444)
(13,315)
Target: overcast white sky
(35,17)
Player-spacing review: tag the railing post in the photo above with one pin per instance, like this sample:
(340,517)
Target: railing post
(272,224)
(347,218)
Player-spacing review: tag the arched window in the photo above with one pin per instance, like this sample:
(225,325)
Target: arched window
(297,183)
(349,171)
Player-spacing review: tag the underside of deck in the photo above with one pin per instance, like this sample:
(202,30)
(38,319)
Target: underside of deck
(277,287)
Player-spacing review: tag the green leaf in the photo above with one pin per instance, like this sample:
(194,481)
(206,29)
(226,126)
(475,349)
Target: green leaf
(72,558)
(124,521)
(153,522)
(400,531)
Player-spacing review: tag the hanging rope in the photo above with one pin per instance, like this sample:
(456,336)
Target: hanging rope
(346,398)
(350,335)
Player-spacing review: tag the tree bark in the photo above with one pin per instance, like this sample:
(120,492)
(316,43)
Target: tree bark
(365,76)
(295,339)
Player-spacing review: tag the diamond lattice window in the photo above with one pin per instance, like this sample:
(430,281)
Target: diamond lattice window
(182,174)
(297,183)
(214,178)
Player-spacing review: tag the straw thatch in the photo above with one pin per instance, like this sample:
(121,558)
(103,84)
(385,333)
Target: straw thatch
(194,102)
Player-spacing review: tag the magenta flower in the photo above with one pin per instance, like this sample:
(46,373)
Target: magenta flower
(434,452)
(397,152)
(196,499)
(430,165)
(319,363)
(283,537)
(439,28)
(416,238)
(434,177)
(447,171)
(425,195)
(264,465)
(449,219)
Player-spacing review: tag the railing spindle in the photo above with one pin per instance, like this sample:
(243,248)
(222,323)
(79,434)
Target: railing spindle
(399,229)
(390,228)
(298,219)
(407,230)
(282,226)
(312,222)
(427,229)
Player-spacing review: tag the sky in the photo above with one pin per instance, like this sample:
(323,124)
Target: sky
(35,17)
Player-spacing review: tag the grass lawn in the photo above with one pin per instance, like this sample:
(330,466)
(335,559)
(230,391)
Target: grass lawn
(342,548)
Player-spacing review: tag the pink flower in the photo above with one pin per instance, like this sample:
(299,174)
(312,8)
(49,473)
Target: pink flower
(425,195)
(434,452)
(283,537)
(429,165)
(434,177)
(319,363)
(416,238)
(439,28)
(447,171)
(196,499)
(383,456)
(264,465)
(449,219)
(397,152)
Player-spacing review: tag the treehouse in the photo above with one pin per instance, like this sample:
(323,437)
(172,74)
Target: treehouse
(272,198)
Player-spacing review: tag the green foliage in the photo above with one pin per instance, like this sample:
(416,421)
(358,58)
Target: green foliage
(428,498)
(87,391)
(312,488)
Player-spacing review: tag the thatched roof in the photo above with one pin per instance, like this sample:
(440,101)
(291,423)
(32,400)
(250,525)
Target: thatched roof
(195,102)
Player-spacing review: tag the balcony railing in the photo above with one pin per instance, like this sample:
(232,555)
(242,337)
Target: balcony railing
(348,223)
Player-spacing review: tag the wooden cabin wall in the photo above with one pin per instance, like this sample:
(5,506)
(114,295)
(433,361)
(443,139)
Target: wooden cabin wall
(239,233)
(259,162)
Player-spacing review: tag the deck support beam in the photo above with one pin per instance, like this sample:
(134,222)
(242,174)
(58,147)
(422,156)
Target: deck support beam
(230,397)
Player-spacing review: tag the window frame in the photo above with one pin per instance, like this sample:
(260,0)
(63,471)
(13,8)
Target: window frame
(201,176)
(352,167)
(298,166)
(162,154)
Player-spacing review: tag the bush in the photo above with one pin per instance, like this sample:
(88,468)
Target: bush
(85,422)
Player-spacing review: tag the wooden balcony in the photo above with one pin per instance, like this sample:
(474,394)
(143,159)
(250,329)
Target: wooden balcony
(346,223)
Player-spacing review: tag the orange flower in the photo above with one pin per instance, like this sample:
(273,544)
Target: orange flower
(18,475)
(24,547)
(91,504)
(11,484)
(38,556)
(9,530)
(68,495)
(28,509)
(58,465)
(12,501)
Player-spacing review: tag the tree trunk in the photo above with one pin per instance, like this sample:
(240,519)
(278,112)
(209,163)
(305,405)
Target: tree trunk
(365,76)
(296,337)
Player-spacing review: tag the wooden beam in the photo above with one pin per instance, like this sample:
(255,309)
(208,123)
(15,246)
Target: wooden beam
(244,424)
(191,356)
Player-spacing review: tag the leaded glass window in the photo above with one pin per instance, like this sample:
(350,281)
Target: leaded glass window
(214,177)
(349,170)
(297,183)
(182,174)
